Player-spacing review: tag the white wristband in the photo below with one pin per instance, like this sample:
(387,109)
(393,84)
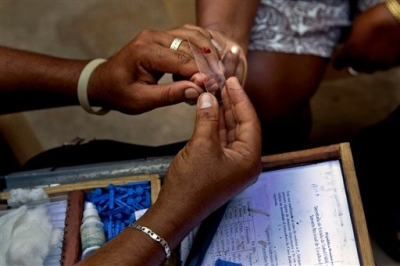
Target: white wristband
(153,236)
(83,84)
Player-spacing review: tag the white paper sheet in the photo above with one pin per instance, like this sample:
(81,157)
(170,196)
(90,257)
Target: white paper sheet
(292,216)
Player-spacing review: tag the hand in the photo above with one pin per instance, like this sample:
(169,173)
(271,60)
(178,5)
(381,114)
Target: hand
(232,61)
(127,82)
(221,159)
(373,44)
(232,55)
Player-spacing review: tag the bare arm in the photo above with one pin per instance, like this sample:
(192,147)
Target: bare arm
(127,82)
(233,18)
(28,80)
(229,23)
(373,44)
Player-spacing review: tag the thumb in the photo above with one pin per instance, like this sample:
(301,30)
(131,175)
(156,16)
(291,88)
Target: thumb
(171,93)
(207,117)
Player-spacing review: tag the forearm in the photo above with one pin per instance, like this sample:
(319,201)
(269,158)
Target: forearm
(170,221)
(31,81)
(233,18)
(190,191)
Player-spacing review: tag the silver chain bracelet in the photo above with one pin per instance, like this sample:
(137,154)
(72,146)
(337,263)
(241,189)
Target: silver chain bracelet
(154,236)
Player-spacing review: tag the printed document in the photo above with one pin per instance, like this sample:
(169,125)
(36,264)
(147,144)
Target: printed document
(292,216)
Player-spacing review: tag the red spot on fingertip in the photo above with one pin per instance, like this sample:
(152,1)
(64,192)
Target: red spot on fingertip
(205,50)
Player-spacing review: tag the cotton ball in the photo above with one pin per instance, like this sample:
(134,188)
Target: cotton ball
(7,224)
(32,238)
(20,196)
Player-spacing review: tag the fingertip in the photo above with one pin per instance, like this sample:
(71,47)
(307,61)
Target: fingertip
(206,100)
(207,116)
(198,79)
(192,94)
(233,81)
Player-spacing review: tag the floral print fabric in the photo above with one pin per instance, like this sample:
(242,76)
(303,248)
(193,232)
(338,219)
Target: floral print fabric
(302,27)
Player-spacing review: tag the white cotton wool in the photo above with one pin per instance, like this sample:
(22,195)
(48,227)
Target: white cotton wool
(7,223)
(21,196)
(32,238)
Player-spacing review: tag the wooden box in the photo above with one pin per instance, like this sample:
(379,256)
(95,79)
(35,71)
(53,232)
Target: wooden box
(75,193)
(305,208)
(342,152)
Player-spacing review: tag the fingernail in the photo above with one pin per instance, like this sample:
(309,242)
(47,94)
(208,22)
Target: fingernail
(234,49)
(191,94)
(205,101)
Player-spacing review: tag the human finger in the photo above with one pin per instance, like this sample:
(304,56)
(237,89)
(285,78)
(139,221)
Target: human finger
(231,61)
(154,96)
(210,66)
(241,70)
(223,131)
(157,55)
(196,35)
(160,59)
(203,49)
(248,132)
(207,117)
(229,118)
(235,64)
(233,56)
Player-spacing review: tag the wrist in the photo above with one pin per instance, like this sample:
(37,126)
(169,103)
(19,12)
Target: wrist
(229,31)
(96,85)
(224,39)
(83,90)
(154,236)
(168,223)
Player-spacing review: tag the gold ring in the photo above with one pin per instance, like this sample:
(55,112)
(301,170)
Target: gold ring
(175,44)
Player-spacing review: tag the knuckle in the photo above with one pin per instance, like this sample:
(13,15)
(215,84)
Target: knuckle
(188,25)
(197,31)
(208,116)
(147,33)
(183,58)
(167,95)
